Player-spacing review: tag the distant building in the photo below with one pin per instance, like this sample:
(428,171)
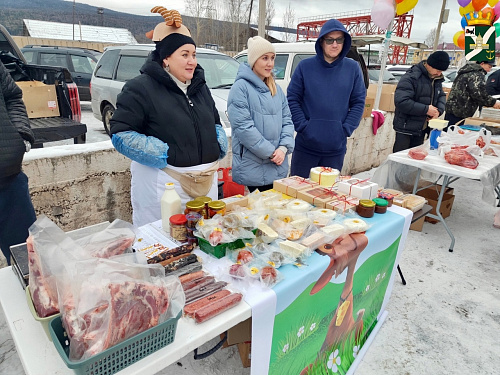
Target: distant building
(456,54)
(67,31)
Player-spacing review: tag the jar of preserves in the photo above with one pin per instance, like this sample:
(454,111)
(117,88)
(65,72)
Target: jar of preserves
(380,205)
(365,208)
(178,227)
(388,197)
(192,219)
(205,200)
(195,206)
(216,207)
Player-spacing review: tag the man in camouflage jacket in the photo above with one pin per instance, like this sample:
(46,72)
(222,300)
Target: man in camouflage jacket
(469,92)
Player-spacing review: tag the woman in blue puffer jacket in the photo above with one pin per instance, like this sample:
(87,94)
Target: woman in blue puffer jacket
(262,128)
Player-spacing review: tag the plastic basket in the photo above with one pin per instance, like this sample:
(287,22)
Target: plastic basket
(119,356)
(220,250)
(44,321)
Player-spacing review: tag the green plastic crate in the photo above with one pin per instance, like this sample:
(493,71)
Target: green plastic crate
(220,250)
(119,356)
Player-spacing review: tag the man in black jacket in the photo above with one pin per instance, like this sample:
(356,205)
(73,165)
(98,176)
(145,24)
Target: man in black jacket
(419,97)
(16,209)
(493,83)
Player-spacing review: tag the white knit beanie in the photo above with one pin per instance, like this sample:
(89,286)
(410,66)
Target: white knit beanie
(258,46)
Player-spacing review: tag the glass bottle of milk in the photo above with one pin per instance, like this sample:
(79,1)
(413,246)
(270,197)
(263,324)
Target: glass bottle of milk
(170,205)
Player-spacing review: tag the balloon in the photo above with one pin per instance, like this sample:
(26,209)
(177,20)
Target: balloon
(461,41)
(400,1)
(405,6)
(492,3)
(382,14)
(462,11)
(496,8)
(469,8)
(456,36)
(463,3)
(478,4)
(463,22)
(487,11)
(497,28)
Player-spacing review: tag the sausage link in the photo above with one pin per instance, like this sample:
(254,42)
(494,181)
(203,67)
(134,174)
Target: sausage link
(201,291)
(191,276)
(205,301)
(217,307)
(198,282)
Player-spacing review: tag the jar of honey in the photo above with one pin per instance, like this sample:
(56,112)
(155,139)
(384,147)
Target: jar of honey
(380,205)
(205,200)
(216,207)
(195,206)
(178,227)
(365,208)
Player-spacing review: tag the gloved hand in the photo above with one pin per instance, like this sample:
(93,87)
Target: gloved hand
(28,145)
(222,139)
(147,150)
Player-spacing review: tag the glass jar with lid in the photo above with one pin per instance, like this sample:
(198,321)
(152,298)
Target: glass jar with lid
(195,206)
(365,208)
(216,207)
(206,201)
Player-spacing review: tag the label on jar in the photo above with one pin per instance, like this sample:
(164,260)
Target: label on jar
(178,232)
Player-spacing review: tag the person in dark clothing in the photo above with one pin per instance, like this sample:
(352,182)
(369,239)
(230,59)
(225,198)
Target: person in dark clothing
(16,209)
(493,83)
(468,92)
(326,97)
(419,97)
(167,123)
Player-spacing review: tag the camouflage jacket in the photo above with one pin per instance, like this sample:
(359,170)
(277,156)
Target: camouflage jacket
(468,92)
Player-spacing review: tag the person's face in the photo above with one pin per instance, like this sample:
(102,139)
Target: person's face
(433,71)
(487,67)
(332,51)
(182,62)
(264,65)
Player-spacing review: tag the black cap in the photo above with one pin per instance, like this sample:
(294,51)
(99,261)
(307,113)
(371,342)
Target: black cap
(439,60)
(491,62)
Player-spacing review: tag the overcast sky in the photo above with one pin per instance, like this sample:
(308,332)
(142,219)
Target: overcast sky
(426,12)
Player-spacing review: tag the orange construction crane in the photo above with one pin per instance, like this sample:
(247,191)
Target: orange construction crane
(359,23)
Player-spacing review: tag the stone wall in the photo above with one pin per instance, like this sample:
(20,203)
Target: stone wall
(81,185)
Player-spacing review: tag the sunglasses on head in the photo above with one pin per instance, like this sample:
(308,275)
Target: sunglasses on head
(339,40)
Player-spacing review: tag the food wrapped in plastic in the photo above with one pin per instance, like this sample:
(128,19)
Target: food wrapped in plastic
(270,276)
(418,153)
(355,225)
(461,158)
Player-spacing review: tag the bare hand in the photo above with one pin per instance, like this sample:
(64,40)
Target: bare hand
(278,157)
(432,112)
(497,105)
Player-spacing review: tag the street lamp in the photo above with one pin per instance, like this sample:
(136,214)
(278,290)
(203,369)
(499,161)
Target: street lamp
(443,18)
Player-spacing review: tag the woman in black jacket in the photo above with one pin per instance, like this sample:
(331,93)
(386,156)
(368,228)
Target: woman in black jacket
(16,209)
(167,123)
(419,97)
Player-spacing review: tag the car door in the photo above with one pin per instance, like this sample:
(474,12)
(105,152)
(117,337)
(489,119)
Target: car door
(81,69)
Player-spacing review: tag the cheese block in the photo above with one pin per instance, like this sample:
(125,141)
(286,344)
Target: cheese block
(266,233)
(293,249)
(334,230)
(314,240)
(298,205)
(355,225)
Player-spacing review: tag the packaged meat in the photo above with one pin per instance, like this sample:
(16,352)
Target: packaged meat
(191,276)
(198,282)
(190,308)
(217,307)
(461,158)
(418,153)
(201,291)
(179,263)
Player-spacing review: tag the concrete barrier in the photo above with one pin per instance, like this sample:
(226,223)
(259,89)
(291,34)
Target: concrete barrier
(81,185)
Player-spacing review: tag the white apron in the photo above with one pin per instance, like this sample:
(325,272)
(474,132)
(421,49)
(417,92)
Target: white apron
(148,185)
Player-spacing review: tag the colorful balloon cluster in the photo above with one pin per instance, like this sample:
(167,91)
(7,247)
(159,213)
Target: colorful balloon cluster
(383,11)
(476,12)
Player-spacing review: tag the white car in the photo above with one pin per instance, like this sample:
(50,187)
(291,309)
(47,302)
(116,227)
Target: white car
(118,64)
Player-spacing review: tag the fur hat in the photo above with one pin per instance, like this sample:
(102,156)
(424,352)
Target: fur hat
(439,60)
(171,34)
(258,46)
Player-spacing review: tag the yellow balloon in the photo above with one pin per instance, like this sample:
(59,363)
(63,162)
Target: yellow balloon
(469,8)
(456,36)
(492,3)
(405,6)
(463,11)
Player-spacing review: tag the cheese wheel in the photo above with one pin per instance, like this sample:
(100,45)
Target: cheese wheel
(324,176)
(355,225)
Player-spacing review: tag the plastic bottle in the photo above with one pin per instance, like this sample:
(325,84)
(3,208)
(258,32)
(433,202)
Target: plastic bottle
(170,205)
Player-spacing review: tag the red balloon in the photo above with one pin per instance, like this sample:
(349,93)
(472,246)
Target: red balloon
(488,10)
(461,41)
(479,4)
(399,1)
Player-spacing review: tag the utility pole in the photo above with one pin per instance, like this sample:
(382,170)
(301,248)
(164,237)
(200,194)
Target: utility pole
(262,18)
(441,21)
(100,12)
(73,19)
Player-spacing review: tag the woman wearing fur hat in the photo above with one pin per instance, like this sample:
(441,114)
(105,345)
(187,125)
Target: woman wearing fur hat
(262,128)
(167,123)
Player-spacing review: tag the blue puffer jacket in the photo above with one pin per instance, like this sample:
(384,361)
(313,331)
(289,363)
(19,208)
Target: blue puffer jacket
(260,124)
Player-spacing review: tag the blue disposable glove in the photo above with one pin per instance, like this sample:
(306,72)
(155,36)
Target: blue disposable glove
(222,139)
(147,150)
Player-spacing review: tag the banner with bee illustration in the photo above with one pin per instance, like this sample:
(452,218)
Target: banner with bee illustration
(480,43)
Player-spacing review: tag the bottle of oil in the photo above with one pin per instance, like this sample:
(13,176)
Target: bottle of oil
(170,205)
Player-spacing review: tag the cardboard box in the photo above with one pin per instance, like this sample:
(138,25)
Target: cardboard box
(432,194)
(369,107)
(291,185)
(482,121)
(40,99)
(245,353)
(359,188)
(318,196)
(241,332)
(343,205)
(386,96)
(235,200)
(418,225)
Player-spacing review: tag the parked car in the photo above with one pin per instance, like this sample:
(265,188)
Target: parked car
(79,61)
(398,72)
(288,56)
(387,76)
(60,117)
(119,64)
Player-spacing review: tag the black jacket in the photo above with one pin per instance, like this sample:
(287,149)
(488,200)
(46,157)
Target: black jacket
(153,104)
(493,83)
(14,126)
(414,93)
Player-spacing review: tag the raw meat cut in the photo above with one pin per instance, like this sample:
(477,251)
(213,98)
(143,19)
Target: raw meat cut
(462,158)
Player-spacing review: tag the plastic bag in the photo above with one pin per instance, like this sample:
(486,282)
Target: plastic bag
(418,153)
(461,158)
(147,150)
(455,136)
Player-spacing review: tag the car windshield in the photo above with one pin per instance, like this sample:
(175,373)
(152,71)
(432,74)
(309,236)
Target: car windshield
(387,77)
(220,70)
